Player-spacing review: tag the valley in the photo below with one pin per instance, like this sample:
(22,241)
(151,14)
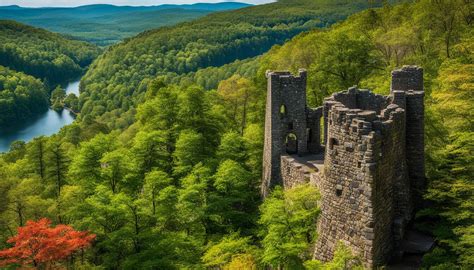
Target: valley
(43,124)
(183,117)
(105,25)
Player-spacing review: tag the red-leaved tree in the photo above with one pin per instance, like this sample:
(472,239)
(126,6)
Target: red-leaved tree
(39,243)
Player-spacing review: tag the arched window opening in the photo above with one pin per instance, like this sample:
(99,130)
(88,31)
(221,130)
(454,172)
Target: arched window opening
(282,111)
(291,144)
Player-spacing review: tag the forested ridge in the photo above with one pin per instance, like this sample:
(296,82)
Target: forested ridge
(104,24)
(175,184)
(32,63)
(21,96)
(47,56)
(117,80)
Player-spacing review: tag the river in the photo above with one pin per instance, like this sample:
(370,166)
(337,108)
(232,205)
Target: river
(45,124)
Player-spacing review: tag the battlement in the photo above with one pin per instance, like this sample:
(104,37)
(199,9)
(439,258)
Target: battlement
(407,78)
(372,151)
(361,111)
(286,75)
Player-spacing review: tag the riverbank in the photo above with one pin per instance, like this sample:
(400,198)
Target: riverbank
(44,124)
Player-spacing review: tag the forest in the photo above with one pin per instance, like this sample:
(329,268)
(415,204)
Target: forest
(21,96)
(162,169)
(116,83)
(98,23)
(47,56)
(33,62)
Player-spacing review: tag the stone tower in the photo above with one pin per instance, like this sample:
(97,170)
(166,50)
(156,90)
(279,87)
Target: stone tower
(373,173)
(409,80)
(290,127)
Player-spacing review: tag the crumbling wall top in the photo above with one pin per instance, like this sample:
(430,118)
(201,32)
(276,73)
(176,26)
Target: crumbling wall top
(407,78)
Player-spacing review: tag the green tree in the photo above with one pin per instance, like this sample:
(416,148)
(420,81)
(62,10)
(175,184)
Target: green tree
(228,248)
(36,156)
(288,226)
(85,167)
(115,167)
(193,201)
(234,201)
(155,182)
(150,152)
(190,150)
(343,259)
(232,147)
(57,164)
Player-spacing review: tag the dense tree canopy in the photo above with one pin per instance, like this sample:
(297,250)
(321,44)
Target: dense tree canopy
(117,80)
(21,96)
(104,24)
(42,54)
(168,177)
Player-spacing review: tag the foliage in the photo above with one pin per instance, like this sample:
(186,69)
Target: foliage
(98,23)
(57,97)
(21,96)
(343,259)
(37,243)
(227,251)
(42,54)
(155,194)
(117,80)
(288,226)
(166,174)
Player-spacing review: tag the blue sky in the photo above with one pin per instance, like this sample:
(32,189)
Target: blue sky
(65,3)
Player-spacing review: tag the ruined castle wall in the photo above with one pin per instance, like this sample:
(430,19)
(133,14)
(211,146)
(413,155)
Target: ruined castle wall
(293,173)
(415,145)
(363,164)
(371,102)
(409,79)
(361,99)
(285,114)
(346,187)
(296,172)
(391,187)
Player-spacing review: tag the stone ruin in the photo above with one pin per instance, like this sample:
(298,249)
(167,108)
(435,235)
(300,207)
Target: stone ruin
(364,152)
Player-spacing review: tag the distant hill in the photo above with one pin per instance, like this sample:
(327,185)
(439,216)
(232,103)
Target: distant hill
(107,24)
(48,56)
(117,80)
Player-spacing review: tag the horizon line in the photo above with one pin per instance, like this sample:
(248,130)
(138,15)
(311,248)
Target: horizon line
(106,4)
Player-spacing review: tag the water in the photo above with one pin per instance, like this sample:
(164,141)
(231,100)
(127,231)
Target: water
(45,124)
(73,87)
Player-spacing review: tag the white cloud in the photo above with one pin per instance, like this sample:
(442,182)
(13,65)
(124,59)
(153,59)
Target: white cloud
(68,3)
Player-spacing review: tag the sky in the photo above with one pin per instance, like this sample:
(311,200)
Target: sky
(74,3)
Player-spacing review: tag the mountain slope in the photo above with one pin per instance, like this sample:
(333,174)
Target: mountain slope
(106,24)
(43,54)
(21,96)
(117,80)
(177,189)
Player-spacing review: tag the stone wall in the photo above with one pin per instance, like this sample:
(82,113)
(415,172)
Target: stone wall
(365,184)
(409,79)
(285,118)
(296,171)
